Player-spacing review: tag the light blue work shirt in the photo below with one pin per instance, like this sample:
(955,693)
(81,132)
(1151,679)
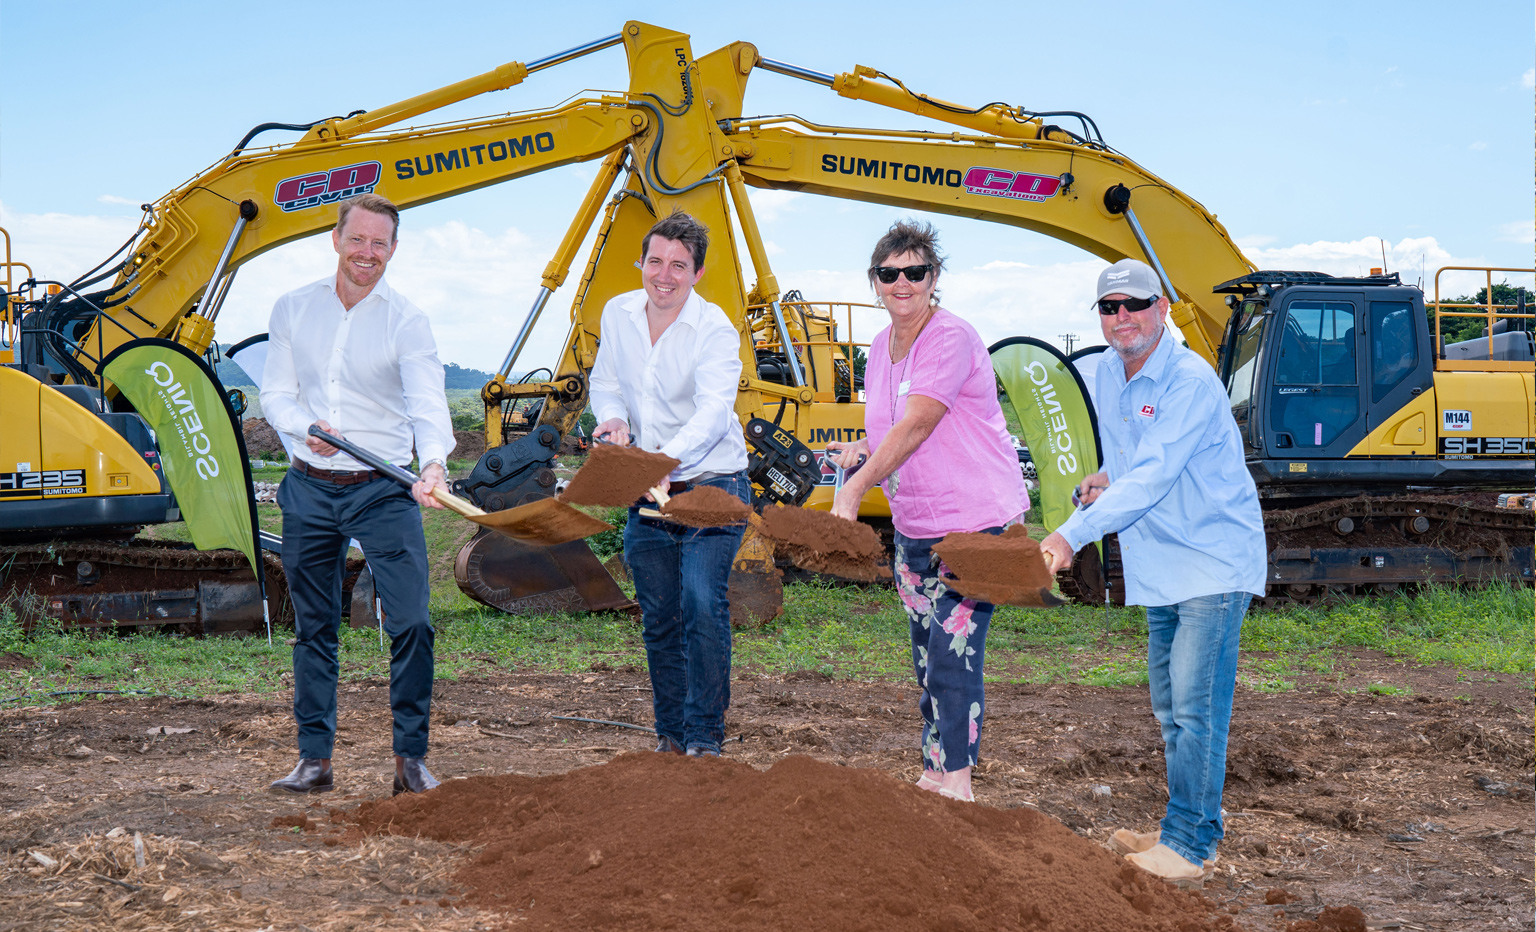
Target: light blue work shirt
(1180,495)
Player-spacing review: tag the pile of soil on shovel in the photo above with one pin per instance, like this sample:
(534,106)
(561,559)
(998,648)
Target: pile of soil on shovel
(656,841)
(824,543)
(1005,569)
(707,506)
(616,476)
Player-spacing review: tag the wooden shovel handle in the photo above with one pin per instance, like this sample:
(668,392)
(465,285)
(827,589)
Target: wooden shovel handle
(454,503)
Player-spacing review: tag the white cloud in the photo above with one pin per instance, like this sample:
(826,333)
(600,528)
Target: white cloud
(58,247)
(477,285)
(1528,80)
(114,199)
(1478,146)
(768,204)
(1520,231)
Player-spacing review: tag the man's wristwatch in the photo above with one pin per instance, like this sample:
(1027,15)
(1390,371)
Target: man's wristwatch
(438,463)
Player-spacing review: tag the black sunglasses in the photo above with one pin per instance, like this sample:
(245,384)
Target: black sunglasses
(914,273)
(1109,307)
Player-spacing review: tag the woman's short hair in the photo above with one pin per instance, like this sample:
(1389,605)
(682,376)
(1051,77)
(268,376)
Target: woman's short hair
(680,227)
(908,236)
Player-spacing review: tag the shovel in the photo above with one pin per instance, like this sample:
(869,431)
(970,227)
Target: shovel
(546,522)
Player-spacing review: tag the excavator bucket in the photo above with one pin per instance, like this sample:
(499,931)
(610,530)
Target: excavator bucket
(524,579)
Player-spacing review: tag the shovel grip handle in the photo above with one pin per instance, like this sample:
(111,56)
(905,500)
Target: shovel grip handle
(384,468)
(398,473)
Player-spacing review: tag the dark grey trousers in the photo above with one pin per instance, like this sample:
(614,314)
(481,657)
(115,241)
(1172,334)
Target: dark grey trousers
(318,519)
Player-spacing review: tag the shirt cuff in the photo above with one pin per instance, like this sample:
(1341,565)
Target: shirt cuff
(1074,532)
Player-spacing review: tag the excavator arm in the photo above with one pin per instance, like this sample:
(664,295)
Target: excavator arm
(202,232)
(1069,191)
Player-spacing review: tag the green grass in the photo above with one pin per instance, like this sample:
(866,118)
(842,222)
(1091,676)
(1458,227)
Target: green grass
(841,631)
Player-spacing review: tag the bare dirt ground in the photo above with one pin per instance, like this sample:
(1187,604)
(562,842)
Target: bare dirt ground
(1416,809)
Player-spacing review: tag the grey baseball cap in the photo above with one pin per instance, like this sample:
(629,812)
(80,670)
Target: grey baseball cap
(1129,277)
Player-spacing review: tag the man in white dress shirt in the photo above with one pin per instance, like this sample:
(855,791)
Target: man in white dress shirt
(665,377)
(354,357)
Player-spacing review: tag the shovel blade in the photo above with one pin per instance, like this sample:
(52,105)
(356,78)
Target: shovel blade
(546,522)
(525,579)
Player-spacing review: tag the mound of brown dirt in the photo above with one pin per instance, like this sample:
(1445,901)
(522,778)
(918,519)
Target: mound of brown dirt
(821,542)
(1005,569)
(260,438)
(616,476)
(707,506)
(653,841)
(468,445)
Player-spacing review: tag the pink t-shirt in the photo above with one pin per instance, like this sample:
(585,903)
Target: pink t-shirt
(965,476)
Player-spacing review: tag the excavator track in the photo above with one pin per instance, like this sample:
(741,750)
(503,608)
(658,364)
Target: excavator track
(1365,545)
(139,584)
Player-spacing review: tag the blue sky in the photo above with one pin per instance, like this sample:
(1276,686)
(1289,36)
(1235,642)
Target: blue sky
(1310,129)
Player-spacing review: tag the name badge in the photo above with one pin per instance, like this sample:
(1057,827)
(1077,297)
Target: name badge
(1147,411)
(903,387)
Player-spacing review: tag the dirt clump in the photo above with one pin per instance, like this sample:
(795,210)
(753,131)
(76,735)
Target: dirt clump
(261,439)
(706,506)
(821,542)
(805,844)
(1332,919)
(615,476)
(1005,569)
(1278,896)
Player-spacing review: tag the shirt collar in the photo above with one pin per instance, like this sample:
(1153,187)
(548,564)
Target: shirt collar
(1153,368)
(690,314)
(1157,363)
(381,290)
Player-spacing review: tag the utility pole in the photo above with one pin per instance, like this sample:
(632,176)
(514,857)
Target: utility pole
(1068,338)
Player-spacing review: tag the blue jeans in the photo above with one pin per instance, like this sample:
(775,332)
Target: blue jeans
(1192,670)
(318,519)
(682,576)
(949,642)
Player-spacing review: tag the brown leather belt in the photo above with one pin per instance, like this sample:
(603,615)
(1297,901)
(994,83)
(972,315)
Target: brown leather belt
(336,476)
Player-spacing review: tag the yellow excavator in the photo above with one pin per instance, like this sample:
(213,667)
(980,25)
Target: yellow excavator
(678,138)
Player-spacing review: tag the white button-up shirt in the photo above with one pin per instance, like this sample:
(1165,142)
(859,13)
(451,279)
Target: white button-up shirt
(678,396)
(372,373)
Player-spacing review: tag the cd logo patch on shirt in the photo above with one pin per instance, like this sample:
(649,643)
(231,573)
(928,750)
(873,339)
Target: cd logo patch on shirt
(1147,411)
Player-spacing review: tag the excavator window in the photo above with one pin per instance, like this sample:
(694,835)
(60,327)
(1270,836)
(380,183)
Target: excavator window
(1394,349)
(1245,362)
(1316,388)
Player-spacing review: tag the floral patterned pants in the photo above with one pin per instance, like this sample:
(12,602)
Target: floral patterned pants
(949,635)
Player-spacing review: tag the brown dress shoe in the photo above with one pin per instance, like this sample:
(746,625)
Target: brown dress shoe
(313,775)
(412,776)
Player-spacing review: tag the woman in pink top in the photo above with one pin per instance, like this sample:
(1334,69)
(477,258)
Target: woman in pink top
(938,446)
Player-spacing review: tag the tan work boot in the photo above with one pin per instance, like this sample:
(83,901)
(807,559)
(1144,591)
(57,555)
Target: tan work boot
(1162,861)
(1125,841)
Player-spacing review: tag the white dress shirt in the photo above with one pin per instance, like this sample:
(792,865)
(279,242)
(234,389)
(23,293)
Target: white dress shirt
(372,373)
(678,396)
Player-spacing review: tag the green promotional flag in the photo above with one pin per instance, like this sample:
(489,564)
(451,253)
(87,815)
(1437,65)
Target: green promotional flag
(1055,416)
(201,445)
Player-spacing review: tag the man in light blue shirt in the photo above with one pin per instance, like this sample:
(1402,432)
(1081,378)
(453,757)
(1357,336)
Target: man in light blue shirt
(1177,491)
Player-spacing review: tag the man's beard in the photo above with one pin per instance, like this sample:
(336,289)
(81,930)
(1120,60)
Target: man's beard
(1137,348)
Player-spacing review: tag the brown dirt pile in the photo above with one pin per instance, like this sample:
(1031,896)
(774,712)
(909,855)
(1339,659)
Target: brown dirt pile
(824,543)
(260,438)
(707,506)
(652,841)
(468,445)
(617,476)
(1005,569)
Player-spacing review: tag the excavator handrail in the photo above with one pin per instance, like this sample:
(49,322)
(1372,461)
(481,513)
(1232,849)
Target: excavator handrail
(1490,312)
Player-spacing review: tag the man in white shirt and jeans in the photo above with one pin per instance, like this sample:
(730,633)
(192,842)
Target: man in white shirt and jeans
(666,375)
(357,359)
